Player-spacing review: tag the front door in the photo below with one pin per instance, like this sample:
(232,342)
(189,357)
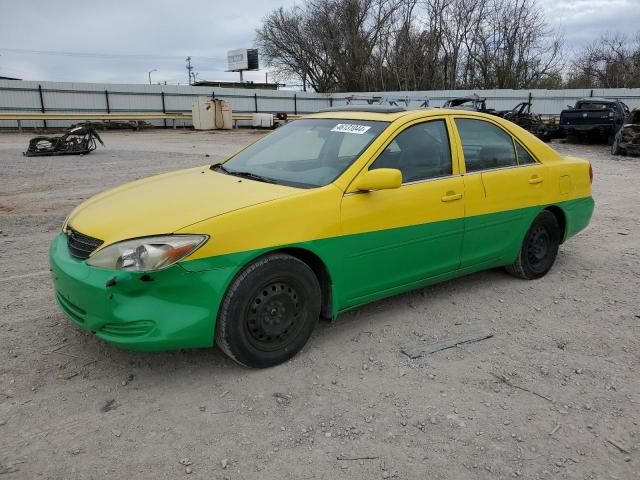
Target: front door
(394,239)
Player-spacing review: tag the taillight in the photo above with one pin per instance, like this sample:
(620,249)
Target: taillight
(590,174)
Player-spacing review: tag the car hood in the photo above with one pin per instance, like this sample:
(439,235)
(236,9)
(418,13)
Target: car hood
(165,203)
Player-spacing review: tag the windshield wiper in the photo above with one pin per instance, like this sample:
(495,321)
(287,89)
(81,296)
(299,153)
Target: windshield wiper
(249,175)
(219,166)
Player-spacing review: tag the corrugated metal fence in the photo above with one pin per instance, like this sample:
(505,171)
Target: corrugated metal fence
(64,97)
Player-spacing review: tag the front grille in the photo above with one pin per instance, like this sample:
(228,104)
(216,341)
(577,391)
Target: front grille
(81,245)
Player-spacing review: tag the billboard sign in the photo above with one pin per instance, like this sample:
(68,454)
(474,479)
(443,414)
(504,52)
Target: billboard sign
(242,59)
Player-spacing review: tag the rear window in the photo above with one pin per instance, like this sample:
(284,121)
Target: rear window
(595,106)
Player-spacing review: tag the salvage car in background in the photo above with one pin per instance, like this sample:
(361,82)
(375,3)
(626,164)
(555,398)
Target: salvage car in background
(473,103)
(594,118)
(627,140)
(327,213)
(521,115)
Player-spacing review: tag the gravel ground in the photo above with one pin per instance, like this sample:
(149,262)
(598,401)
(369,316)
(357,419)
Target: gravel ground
(565,402)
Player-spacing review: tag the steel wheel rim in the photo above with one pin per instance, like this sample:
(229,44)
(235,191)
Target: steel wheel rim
(274,316)
(538,248)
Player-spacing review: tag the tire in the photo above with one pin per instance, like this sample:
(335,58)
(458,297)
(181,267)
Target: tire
(269,311)
(615,147)
(539,248)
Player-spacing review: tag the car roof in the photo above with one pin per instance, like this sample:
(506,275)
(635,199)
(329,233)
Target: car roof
(340,113)
(365,108)
(598,100)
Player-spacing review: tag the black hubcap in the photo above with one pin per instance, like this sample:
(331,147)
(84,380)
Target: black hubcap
(273,316)
(538,248)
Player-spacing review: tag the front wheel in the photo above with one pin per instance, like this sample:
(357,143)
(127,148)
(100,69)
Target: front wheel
(269,311)
(539,248)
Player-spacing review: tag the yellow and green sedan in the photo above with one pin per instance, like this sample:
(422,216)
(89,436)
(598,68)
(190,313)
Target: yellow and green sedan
(327,213)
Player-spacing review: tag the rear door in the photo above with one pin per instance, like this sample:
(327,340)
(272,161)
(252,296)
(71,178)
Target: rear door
(503,182)
(394,239)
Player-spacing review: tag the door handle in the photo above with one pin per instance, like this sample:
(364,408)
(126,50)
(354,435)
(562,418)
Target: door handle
(451,197)
(535,179)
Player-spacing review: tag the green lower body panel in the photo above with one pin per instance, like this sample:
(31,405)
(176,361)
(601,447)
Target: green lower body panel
(169,309)
(578,215)
(177,307)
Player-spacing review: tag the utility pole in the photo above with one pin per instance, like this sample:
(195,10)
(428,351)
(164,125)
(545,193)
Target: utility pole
(189,70)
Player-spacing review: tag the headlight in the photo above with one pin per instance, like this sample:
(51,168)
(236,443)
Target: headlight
(148,253)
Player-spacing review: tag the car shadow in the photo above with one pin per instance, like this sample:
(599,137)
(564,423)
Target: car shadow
(108,360)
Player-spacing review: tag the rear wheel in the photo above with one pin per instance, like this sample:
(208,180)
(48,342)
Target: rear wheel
(539,248)
(269,311)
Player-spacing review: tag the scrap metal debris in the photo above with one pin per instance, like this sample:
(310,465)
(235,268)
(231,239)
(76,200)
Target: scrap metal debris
(555,429)
(522,116)
(422,350)
(618,446)
(109,405)
(472,102)
(282,399)
(627,140)
(504,379)
(117,125)
(76,141)
(342,457)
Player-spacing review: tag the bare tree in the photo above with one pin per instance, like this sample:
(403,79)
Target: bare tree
(365,45)
(513,47)
(613,61)
(287,45)
(332,43)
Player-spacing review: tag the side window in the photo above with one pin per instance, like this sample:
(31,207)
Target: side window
(485,146)
(524,157)
(419,152)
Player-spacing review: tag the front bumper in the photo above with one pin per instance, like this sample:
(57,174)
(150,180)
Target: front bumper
(164,310)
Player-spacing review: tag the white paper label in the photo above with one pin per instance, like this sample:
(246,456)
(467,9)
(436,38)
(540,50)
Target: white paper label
(350,128)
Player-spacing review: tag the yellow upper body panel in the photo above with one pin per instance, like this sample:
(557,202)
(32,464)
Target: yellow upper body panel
(165,203)
(241,214)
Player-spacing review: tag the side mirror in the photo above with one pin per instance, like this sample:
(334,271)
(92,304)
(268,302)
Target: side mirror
(379,179)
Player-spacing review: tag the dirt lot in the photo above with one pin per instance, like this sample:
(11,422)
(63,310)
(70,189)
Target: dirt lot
(350,405)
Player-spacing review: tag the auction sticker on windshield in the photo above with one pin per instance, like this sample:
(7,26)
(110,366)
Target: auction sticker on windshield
(350,128)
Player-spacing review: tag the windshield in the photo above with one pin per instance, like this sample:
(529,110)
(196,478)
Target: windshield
(305,153)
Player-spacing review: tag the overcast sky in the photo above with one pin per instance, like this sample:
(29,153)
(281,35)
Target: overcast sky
(122,40)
